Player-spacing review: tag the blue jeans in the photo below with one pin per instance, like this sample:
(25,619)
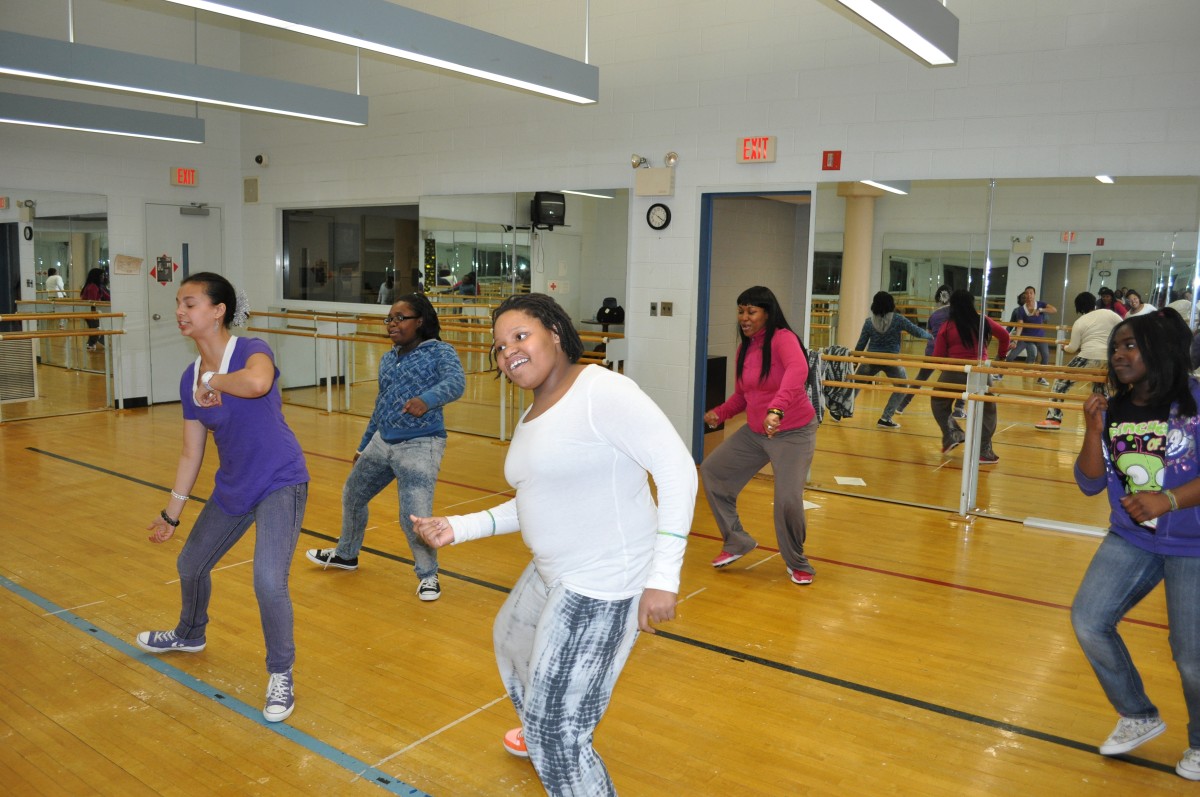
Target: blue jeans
(559,655)
(1120,575)
(277,518)
(414,465)
(895,372)
(1034,352)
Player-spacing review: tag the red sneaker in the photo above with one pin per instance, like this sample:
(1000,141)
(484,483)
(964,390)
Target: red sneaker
(514,743)
(800,577)
(727,558)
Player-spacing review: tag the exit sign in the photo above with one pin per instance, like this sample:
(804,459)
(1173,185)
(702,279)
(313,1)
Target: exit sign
(181,175)
(756,149)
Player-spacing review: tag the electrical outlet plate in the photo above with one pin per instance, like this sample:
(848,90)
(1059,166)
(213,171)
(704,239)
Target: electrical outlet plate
(653,308)
(668,308)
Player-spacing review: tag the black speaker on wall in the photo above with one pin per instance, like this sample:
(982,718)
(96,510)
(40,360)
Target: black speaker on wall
(548,210)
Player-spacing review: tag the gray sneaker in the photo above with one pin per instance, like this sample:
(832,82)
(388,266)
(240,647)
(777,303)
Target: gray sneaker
(167,642)
(281,697)
(1130,733)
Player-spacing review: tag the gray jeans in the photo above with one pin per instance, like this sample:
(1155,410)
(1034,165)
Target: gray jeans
(414,465)
(727,470)
(277,520)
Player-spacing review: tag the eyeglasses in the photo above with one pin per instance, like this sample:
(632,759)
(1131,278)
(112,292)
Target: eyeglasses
(399,318)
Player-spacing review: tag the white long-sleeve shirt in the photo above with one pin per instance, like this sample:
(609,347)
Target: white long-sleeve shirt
(1090,333)
(583,502)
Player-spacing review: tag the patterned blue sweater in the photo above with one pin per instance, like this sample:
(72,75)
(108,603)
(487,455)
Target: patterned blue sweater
(430,372)
(872,339)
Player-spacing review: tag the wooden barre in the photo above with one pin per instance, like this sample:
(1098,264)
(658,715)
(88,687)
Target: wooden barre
(60,333)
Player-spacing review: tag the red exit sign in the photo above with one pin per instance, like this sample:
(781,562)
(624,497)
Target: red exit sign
(756,149)
(181,175)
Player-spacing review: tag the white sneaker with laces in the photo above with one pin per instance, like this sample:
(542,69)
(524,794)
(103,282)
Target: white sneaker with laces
(1189,766)
(1131,733)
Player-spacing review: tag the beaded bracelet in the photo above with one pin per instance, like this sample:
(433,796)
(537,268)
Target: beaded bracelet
(180,497)
(1171,497)
(166,517)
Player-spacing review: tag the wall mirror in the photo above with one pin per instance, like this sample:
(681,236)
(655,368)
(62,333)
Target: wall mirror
(1061,236)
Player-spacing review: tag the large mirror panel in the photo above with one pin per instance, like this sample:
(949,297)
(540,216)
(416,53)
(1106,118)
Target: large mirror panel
(1059,237)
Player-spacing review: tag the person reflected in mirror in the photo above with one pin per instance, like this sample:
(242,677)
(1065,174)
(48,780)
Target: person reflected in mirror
(405,439)
(94,291)
(780,429)
(936,318)
(1109,301)
(231,391)
(387,291)
(55,287)
(1030,310)
(606,558)
(1088,348)
(1133,300)
(881,333)
(1142,446)
(468,285)
(959,339)
(1185,305)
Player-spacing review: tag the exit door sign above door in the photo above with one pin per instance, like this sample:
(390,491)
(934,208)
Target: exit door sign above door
(756,149)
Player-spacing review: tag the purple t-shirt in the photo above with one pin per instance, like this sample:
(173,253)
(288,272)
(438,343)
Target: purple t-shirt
(257,450)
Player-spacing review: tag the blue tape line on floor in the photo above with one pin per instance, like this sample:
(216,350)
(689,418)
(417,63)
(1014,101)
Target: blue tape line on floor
(353,765)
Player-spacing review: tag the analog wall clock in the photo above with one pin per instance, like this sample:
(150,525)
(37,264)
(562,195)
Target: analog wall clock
(1022,261)
(658,216)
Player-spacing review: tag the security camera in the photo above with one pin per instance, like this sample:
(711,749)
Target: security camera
(261,160)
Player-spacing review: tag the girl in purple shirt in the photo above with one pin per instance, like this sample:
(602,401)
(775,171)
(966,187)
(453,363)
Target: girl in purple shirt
(232,391)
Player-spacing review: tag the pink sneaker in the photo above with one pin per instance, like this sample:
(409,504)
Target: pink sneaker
(800,577)
(727,558)
(514,743)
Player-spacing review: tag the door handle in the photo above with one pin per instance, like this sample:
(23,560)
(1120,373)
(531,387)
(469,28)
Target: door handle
(157,317)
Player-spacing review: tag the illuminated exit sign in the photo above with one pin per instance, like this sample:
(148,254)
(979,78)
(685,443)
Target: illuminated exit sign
(181,175)
(756,149)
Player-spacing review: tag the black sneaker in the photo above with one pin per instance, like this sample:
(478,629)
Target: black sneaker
(429,589)
(327,558)
(887,424)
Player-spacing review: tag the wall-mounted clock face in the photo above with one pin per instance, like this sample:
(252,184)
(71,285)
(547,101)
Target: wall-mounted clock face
(1022,261)
(28,233)
(658,216)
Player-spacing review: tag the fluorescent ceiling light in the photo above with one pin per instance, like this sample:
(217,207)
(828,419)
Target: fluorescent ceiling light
(384,27)
(595,194)
(924,27)
(1104,178)
(894,186)
(52,59)
(22,109)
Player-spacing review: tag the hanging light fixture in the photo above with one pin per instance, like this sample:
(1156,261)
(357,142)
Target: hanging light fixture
(22,109)
(81,64)
(384,27)
(925,28)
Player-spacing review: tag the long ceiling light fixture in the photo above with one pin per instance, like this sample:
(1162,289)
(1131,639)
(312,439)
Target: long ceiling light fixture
(81,64)
(384,27)
(902,187)
(22,109)
(924,27)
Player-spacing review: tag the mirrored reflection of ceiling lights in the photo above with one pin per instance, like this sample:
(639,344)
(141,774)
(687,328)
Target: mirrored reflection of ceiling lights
(81,64)
(1104,178)
(22,109)
(901,187)
(925,28)
(383,27)
(596,194)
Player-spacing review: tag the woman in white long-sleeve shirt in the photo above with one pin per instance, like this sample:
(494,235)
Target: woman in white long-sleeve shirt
(606,559)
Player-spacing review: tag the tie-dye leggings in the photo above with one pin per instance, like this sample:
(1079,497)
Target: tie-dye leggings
(559,655)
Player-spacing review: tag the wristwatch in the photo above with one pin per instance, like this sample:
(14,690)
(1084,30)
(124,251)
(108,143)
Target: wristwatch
(206,378)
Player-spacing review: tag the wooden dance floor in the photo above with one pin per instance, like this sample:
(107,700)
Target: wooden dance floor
(932,656)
